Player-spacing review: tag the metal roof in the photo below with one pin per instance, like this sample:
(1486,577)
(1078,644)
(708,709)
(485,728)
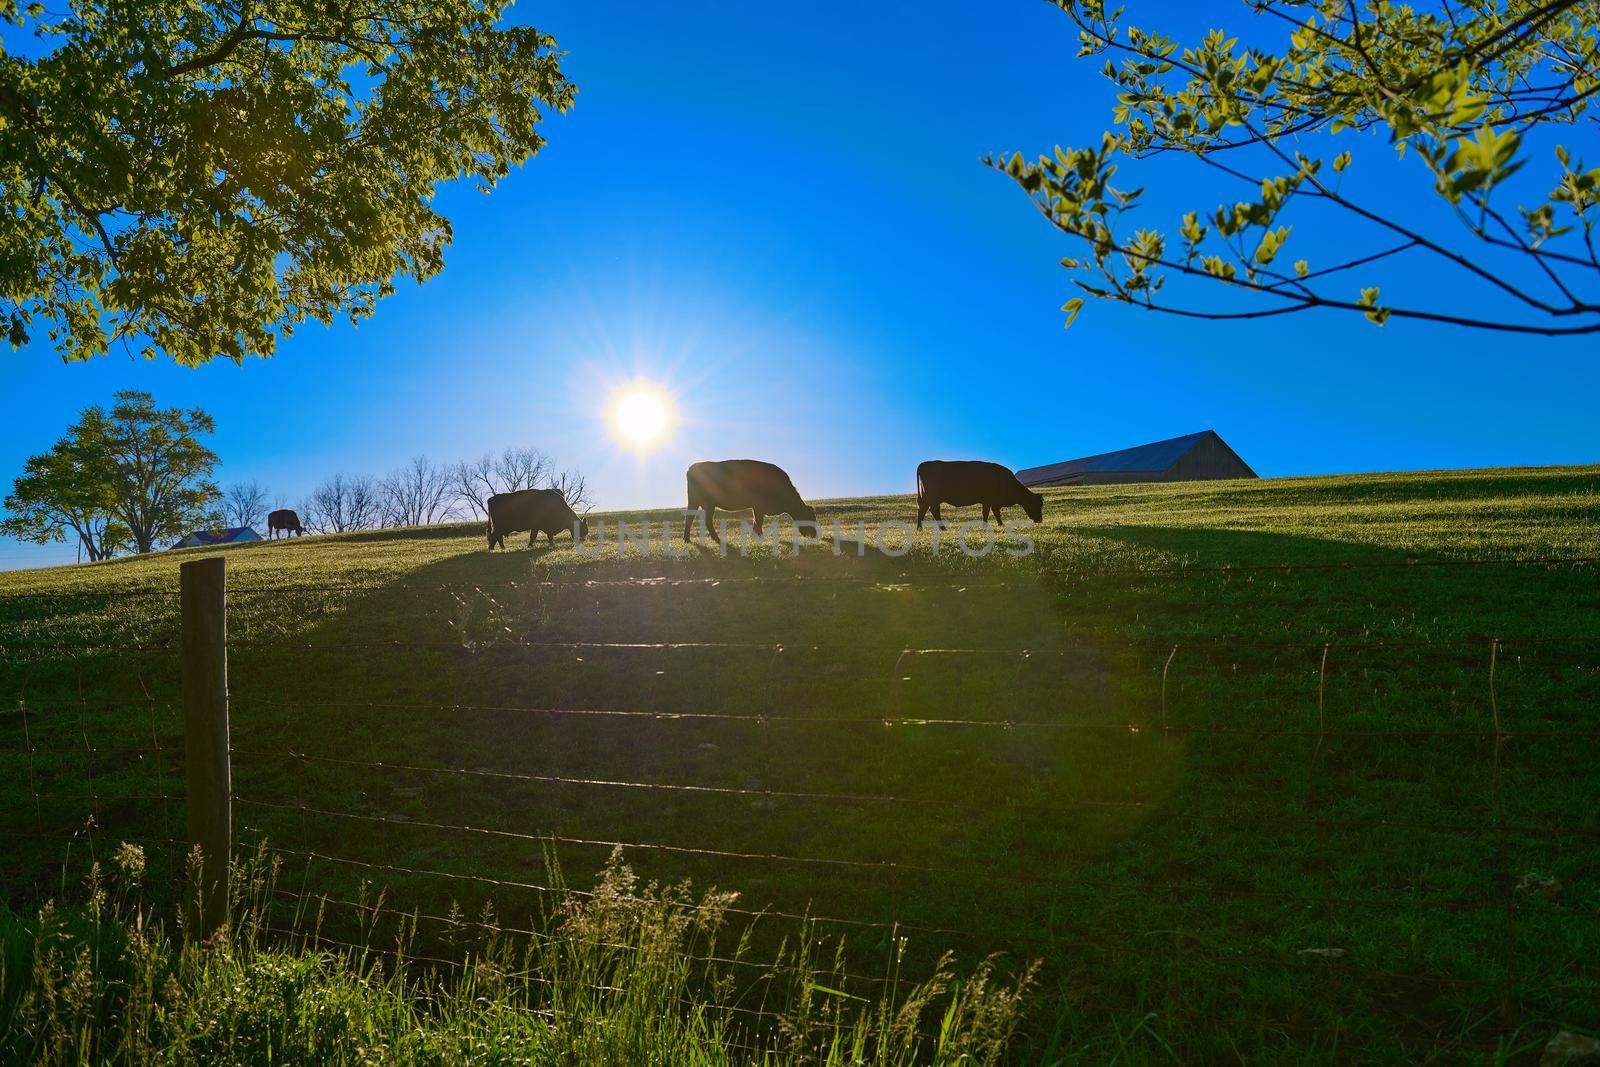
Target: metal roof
(218,537)
(1155,457)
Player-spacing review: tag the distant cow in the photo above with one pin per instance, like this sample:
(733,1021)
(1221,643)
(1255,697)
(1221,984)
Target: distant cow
(286,520)
(539,511)
(737,484)
(965,481)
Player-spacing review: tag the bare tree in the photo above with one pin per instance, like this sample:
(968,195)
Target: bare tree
(574,487)
(521,468)
(365,502)
(245,503)
(473,482)
(323,511)
(417,494)
(343,503)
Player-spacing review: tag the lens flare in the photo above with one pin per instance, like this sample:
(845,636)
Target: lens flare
(641,416)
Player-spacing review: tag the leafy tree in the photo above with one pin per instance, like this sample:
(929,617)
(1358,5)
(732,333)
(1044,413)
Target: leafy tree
(152,459)
(196,177)
(1465,90)
(65,489)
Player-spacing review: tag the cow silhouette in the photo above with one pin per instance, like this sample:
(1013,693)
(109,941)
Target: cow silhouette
(961,482)
(286,520)
(539,511)
(740,484)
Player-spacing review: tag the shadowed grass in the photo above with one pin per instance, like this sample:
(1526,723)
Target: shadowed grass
(1220,851)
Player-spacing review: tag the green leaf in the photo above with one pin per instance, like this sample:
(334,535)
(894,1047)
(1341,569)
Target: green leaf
(836,992)
(1374,313)
(1072,307)
(191,194)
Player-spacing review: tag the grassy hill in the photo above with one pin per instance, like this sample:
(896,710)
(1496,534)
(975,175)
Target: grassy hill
(1283,769)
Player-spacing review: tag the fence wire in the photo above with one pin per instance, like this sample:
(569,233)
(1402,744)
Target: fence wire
(66,816)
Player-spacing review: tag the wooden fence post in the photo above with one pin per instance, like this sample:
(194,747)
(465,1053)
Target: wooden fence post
(204,586)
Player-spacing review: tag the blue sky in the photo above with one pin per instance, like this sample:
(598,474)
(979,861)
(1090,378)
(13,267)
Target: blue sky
(779,211)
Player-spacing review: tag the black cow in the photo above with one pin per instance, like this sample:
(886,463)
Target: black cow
(969,481)
(737,484)
(539,511)
(286,520)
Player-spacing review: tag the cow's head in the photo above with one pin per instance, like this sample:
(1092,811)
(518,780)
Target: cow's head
(491,535)
(580,530)
(1033,504)
(806,525)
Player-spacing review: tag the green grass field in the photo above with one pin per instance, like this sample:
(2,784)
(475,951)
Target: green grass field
(1245,796)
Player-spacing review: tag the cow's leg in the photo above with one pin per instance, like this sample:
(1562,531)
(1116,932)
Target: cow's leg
(707,515)
(533,535)
(997,517)
(756,526)
(936,516)
(986,513)
(922,509)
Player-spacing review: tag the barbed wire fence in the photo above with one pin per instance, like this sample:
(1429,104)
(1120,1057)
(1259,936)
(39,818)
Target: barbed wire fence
(78,817)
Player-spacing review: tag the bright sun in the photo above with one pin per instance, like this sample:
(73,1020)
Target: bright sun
(640,416)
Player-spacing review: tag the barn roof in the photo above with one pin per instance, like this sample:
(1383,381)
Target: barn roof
(218,537)
(1153,458)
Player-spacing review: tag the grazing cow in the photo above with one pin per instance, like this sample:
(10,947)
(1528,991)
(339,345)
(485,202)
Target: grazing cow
(965,481)
(539,511)
(736,484)
(286,520)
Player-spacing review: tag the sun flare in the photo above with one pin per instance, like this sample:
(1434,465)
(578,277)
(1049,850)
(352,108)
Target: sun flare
(641,416)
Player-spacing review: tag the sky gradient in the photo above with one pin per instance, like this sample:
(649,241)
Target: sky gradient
(779,212)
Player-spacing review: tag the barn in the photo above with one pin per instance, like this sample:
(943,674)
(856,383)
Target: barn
(1195,457)
(236,535)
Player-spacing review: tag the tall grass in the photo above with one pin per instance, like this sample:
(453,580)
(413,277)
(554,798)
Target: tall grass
(619,977)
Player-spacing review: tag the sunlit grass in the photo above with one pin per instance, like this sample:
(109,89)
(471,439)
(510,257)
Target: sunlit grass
(616,977)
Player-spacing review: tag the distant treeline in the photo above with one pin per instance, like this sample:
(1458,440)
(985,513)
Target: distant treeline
(420,493)
(136,477)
